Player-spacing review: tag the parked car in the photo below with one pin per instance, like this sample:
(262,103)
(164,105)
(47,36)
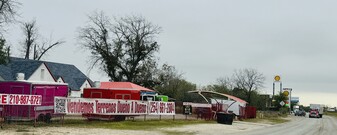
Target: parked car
(314,114)
(300,113)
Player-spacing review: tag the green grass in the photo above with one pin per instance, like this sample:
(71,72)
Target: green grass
(275,120)
(22,130)
(133,125)
(177,133)
(278,120)
(125,125)
(149,125)
(270,117)
(334,114)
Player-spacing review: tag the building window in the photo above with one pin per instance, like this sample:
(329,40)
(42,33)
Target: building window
(42,74)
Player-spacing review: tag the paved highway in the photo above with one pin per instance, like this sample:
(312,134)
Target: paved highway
(298,126)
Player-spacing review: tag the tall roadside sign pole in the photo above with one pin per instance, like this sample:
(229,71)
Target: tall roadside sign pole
(287,92)
(277,79)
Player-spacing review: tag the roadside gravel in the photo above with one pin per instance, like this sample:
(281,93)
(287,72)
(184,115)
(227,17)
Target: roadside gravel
(198,129)
(195,129)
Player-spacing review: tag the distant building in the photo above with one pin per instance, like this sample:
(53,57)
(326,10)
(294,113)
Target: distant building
(295,100)
(33,70)
(332,109)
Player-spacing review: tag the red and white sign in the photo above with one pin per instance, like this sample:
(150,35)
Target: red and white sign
(20,99)
(70,105)
(99,106)
(161,108)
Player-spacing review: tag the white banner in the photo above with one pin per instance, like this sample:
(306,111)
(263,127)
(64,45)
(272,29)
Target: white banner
(161,108)
(69,105)
(197,104)
(99,106)
(20,99)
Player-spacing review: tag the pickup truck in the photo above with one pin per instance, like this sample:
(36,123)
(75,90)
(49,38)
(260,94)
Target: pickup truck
(300,113)
(314,114)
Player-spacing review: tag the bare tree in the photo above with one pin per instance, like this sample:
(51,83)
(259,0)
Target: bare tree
(174,85)
(222,85)
(225,82)
(8,11)
(31,33)
(167,73)
(44,47)
(31,44)
(147,76)
(122,46)
(4,51)
(248,80)
(7,15)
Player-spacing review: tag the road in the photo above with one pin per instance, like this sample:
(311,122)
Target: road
(298,126)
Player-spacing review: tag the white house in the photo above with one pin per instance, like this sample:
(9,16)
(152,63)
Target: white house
(34,70)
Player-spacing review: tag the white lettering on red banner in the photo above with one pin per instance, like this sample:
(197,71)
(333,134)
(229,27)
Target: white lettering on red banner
(20,99)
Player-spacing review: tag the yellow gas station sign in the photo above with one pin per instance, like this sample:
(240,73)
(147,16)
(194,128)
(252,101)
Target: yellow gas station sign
(277,78)
(285,93)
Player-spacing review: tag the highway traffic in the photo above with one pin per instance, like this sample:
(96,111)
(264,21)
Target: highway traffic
(298,126)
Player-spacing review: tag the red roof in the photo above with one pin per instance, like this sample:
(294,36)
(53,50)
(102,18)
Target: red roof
(235,98)
(123,85)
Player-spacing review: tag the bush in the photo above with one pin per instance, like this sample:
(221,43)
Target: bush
(283,111)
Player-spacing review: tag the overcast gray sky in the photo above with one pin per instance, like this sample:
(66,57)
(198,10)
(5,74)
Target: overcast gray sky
(208,39)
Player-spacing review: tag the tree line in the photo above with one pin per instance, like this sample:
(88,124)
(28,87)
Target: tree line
(125,49)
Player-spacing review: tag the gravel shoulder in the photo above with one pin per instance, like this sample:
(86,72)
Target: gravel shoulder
(297,125)
(219,129)
(195,129)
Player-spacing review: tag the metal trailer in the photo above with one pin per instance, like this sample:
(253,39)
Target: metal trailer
(228,106)
(48,90)
(106,93)
(109,93)
(119,93)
